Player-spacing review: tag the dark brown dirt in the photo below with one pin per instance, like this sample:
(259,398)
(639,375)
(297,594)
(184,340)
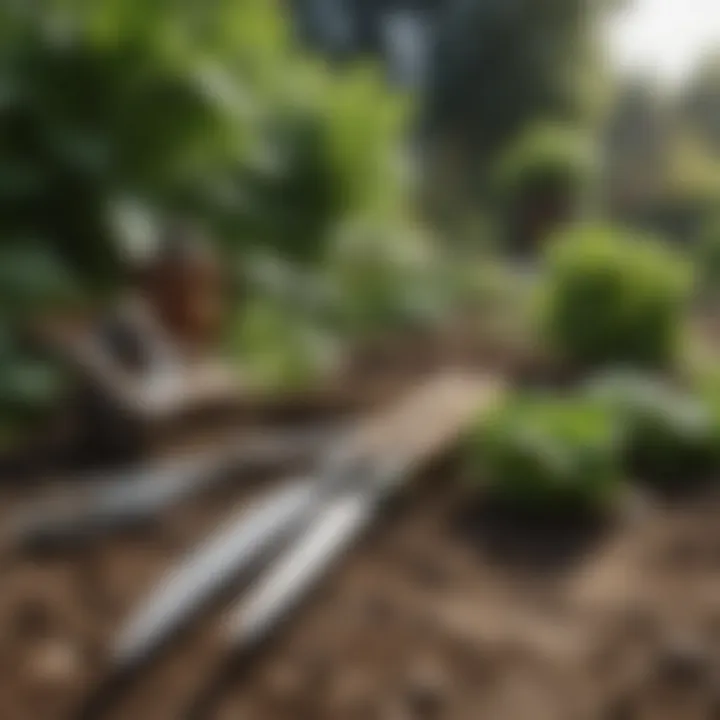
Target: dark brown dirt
(424,620)
(428,618)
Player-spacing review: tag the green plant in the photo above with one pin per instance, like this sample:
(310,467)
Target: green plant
(385,276)
(279,349)
(613,297)
(542,182)
(30,386)
(93,115)
(332,152)
(548,157)
(671,436)
(33,282)
(708,257)
(206,110)
(548,454)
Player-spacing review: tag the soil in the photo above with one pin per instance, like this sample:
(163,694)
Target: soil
(441,612)
(428,618)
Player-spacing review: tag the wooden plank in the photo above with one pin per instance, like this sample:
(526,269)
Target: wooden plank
(424,423)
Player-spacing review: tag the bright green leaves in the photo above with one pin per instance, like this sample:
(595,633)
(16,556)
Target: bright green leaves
(614,298)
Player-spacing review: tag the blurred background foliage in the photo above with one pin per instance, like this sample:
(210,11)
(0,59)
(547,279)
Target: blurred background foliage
(500,68)
(208,108)
(661,160)
(543,181)
(348,203)
(117,114)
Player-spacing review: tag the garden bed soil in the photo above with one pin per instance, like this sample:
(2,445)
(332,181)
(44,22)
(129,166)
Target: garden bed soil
(425,619)
(443,611)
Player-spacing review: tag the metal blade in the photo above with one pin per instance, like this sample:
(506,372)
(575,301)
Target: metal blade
(133,497)
(223,558)
(331,535)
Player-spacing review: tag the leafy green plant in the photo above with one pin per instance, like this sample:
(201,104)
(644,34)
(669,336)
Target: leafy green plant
(207,110)
(385,276)
(613,297)
(278,349)
(671,436)
(118,113)
(547,159)
(33,282)
(708,258)
(548,454)
(30,386)
(542,182)
(92,116)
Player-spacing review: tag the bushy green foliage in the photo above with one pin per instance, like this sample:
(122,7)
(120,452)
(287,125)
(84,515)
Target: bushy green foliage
(671,437)
(30,385)
(32,281)
(542,182)
(280,349)
(614,297)
(93,114)
(376,277)
(548,454)
(547,157)
(499,71)
(115,114)
(333,146)
(207,109)
(385,276)
(708,257)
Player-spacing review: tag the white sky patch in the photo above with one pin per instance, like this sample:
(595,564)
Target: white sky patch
(664,38)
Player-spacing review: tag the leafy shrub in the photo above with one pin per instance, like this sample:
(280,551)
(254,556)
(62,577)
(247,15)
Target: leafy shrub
(30,386)
(376,276)
(708,257)
(333,144)
(542,181)
(614,298)
(548,454)
(208,110)
(100,116)
(278,349)
(32,281)
(385,275)
(546,157)
(671,437)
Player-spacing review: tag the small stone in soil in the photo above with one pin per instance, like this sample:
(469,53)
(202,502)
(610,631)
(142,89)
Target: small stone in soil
(378,609)
(714,713)
(314,666)
(351,694)
(284,681)
(32,620)
(684,661)
(639,623)
(427,691)
(428,572)
(55,664)
(621,707)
